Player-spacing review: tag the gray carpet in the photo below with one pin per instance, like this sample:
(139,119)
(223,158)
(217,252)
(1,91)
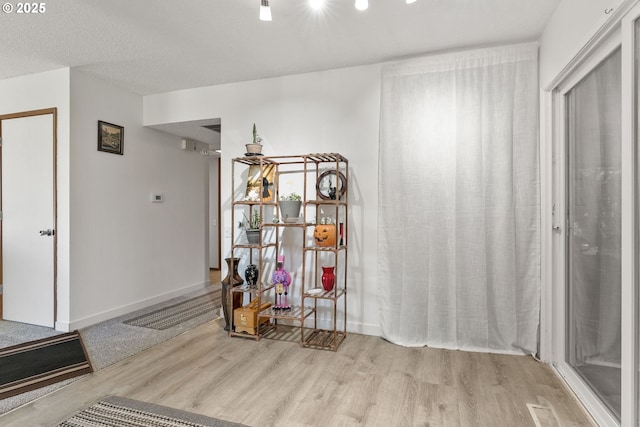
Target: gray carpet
(115,411)
(107,342)
(12,333)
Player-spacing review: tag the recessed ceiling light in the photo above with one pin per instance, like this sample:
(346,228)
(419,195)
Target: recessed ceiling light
(265,10)
(316,4)
(362,4)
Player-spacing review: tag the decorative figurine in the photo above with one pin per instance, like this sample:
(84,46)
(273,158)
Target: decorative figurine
(266,194)
(281,279)
(332,193)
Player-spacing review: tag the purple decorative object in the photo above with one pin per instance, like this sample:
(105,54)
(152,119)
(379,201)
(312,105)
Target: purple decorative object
(281,279)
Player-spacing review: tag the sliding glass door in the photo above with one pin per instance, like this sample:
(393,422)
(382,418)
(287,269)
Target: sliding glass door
(635,121)
(594,206)
(593,246)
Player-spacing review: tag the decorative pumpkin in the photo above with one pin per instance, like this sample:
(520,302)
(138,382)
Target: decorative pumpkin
(325,235)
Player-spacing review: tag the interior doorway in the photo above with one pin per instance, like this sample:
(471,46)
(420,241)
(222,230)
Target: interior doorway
(28,205)
(204,136)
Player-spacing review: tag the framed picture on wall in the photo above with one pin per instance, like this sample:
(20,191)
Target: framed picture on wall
(260,180)
(110,138)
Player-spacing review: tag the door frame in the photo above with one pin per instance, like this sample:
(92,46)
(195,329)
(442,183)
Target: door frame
(587,396)
(617,31)
(54,116)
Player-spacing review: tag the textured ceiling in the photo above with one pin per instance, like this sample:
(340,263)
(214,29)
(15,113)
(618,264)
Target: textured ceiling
(154,46)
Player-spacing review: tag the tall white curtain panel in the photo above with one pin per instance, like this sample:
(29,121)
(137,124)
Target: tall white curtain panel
(459,213)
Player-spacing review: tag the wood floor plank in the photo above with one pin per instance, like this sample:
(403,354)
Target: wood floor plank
(367,382)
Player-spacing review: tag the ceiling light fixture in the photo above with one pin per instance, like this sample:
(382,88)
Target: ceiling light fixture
(265,10)
(411,1)
(362,4)
(316,4)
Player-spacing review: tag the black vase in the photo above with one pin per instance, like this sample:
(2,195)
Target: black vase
(232,279)
(251,274)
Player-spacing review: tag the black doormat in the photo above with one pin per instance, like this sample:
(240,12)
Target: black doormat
(36,364)
(117,411)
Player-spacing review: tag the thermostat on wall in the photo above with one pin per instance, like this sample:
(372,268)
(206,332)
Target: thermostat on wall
(157,197)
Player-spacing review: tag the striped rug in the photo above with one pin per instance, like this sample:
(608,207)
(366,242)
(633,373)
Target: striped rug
(35,364)
(115,411)
(167,317)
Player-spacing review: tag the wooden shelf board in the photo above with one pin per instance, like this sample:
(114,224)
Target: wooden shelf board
(333,294)
(264,329)
(321,249)
(254,203)
(292,159)
(287,224)
(284,333)
(326,202)
(248,246)
(296,313)
(324,340)
(240,288)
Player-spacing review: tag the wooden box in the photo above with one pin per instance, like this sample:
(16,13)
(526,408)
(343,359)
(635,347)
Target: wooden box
(245,319)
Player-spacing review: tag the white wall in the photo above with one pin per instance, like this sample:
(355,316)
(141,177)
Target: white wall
(330,111)
(127,252)
(571,26)
(48,90)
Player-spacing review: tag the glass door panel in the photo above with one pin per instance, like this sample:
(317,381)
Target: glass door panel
(593,238)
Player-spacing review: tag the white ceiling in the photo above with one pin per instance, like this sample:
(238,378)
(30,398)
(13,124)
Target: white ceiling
(154,46)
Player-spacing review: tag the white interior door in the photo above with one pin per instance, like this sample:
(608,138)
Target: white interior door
(28,208)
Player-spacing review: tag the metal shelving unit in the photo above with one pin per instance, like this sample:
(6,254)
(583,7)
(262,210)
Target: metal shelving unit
(306,308)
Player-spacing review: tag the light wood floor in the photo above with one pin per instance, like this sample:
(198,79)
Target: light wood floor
(368,382)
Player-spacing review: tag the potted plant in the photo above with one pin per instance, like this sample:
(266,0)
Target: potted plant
(252,227)
(255,148)
(290,207)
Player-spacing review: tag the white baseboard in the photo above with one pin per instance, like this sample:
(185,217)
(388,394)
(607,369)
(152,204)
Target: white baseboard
(364,329)
(119,311)
(62,327)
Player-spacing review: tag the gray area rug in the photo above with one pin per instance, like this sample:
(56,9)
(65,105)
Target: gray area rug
(107,342)
(115,411)
(173,315)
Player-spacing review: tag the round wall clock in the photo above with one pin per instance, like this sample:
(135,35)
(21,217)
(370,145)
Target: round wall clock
(331,185)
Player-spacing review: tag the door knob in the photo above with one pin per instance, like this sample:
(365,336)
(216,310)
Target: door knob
(48,232)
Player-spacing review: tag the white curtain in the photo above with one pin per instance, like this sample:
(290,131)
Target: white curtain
(458,234)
